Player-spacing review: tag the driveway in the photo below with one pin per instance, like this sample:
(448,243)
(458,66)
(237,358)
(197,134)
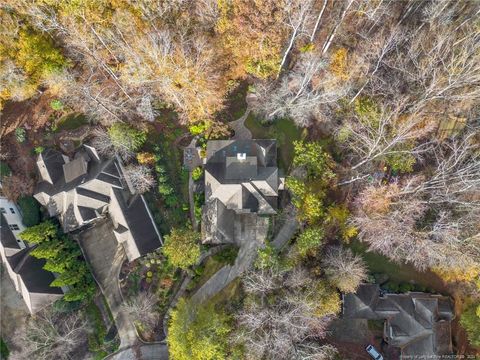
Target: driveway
(106,256)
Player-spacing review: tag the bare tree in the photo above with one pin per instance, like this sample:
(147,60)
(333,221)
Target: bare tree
(384,132)
(456,178)
(285,325)
(300,93)
(297,13)
(344,269)
(430,219)
(142,309)
(49,335)
(140,177)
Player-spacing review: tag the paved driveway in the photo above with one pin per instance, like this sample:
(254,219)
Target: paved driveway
(106,257)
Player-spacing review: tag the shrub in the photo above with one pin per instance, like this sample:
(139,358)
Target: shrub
(197,173)
(56,105)
(309,240)
(267,258)
(146,158)
(4,170)
(30,210)
(470,321)
(38,149)
(20,135)
(182,247)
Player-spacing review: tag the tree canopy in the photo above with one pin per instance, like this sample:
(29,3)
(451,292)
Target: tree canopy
(63,256)
(198,332)
(182,247)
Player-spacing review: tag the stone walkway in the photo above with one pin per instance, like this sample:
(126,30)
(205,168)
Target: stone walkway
(241,131)
(106,256)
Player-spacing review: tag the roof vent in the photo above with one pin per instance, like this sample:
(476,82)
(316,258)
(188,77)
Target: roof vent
(242,156)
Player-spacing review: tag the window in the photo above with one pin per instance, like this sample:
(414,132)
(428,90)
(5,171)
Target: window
(3,210)
(13,227)
(12,211)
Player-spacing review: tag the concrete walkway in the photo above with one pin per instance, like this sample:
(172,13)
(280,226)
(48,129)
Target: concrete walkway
(287,231)
(154,351)
(241,131)
(256,229)
(106,257)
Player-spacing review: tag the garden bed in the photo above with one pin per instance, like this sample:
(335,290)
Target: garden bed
(151,274)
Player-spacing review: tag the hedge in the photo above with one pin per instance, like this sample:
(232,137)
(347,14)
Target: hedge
(30,210)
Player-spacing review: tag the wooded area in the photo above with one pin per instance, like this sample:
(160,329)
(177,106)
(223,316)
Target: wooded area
(386,98)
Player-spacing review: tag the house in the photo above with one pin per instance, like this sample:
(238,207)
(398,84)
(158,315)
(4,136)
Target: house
(25,271)
(418,324)
(242,184)
(85,188)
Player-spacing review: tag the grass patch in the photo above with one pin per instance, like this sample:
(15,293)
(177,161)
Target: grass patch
(397,273)
(230,296)
(213,264)
(283,130)
(205,272)
(97,342)
(71,121)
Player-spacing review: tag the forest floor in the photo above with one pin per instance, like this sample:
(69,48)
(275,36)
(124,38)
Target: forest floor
(33,114)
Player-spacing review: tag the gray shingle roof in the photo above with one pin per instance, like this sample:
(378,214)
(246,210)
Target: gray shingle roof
(411,319)
(7,238)
(143,230)
(74,169)
(84,192)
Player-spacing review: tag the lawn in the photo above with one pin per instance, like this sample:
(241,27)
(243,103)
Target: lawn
(398,273)
(71,122)
(284,130)
(213,264)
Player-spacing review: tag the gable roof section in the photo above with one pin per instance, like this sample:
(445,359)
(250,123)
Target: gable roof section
(136,217)
(74,169)
(9,242)
(243,174)
(50,165)
(33,281)
(413,320)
